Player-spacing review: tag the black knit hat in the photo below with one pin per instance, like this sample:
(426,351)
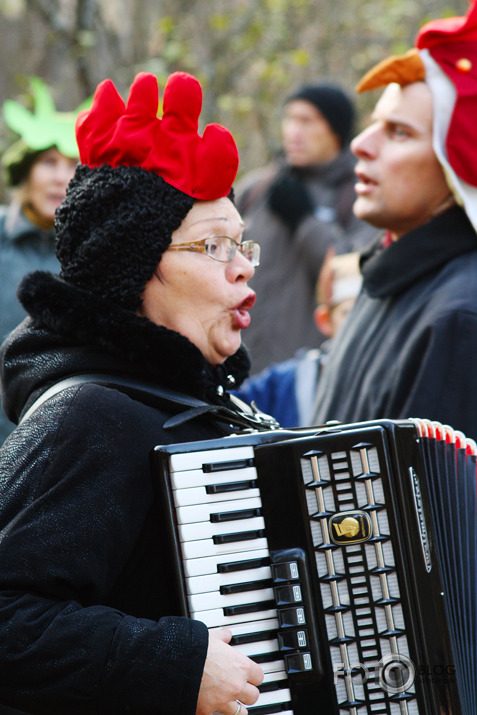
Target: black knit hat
(113,228)
(333,103)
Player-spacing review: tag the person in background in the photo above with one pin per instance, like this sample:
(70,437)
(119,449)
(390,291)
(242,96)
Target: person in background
(149,305)
(298,208)
(407,349)
(286,390)
(37,169)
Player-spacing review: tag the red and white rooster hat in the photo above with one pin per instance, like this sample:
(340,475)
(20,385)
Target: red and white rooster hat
(445,57)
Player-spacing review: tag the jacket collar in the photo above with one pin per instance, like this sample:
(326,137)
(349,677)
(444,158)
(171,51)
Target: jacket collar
(391,270)
(19,227)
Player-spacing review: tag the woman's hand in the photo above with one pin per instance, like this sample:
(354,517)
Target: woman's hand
(229,676)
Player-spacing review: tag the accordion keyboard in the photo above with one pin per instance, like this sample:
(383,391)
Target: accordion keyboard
(226,560)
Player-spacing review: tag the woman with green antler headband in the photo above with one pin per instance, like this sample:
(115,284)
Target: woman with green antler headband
(37,168)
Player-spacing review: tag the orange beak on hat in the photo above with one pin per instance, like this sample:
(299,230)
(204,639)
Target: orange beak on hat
(402,69)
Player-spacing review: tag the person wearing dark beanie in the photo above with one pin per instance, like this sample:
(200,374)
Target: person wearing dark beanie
(301,208)
(134,344)
(333,103)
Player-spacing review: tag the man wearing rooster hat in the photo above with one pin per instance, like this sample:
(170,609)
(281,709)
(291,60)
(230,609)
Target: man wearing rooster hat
(144,322)
(407,349)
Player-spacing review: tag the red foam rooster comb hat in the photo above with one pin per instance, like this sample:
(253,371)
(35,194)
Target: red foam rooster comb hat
(139,178)
(445,57)
(111,132)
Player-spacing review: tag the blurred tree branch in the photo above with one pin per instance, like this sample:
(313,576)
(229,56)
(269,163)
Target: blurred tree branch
(248,54)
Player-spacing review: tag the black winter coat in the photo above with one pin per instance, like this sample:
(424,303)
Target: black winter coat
(408,345)
(88,622)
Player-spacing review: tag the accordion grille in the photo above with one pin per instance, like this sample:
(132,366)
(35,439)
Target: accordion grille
(359,584)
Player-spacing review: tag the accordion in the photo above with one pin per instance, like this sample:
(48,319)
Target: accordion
(343,559)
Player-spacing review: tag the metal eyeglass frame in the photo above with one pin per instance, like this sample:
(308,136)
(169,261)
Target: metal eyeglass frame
(252,248)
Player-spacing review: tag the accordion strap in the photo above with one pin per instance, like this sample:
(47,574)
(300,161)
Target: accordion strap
(183,406)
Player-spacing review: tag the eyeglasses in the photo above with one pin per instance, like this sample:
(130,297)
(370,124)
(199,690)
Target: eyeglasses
(222,248)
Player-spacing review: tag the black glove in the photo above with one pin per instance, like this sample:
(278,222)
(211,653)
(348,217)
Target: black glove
(289,199)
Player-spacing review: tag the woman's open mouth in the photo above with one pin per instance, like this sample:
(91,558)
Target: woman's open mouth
(241,314)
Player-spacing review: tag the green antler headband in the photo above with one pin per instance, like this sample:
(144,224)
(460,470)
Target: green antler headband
(44,127)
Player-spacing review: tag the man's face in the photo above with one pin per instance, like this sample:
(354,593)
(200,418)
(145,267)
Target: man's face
(308,138)
(401,184)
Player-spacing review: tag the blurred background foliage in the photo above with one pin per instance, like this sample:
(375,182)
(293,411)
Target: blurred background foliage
(248,54)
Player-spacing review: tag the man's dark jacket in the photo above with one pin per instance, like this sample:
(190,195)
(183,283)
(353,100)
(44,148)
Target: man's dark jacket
(408,347)
(88,620)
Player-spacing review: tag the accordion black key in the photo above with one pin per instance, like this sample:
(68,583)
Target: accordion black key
(343,559)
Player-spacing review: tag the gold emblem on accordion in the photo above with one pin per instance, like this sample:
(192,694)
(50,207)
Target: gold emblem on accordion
(349,527)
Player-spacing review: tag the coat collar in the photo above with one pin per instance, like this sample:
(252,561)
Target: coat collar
(391,270)
(18,227)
